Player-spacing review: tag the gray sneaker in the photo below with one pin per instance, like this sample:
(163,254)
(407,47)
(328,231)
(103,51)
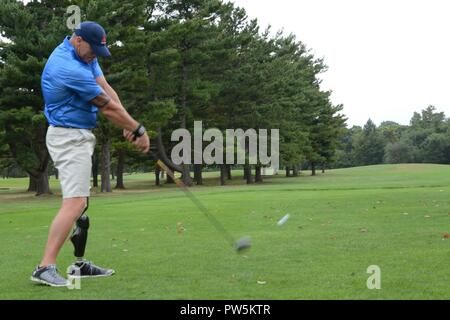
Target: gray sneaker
(86,269)
(49,275)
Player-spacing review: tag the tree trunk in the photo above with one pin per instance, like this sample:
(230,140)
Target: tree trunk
(112,172)
(258,176)
(106,166)
(249,176)
(288,171)
(32,185)
(185,168)
(198,174)
(42,186)
(313,169)
(56,174)
(229,171)
(40,171)
(323,167)
(223,174)
(169,179)
(183,93)
(247,172)
(120,166)
(161,154)
(157,173)
(295,170)
(95,170)
(186,175)
(40,175)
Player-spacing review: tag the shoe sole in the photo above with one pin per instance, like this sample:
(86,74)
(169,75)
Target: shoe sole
(47,283)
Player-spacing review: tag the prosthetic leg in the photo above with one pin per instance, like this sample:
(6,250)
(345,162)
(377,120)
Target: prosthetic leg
(84,268)
(80,233)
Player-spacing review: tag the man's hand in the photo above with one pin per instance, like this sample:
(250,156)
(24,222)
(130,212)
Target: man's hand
(142,143)
(128,135)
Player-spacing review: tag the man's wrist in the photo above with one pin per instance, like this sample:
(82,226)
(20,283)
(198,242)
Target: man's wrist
(139,131)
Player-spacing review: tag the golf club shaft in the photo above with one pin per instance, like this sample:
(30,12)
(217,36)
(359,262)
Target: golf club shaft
(199,205)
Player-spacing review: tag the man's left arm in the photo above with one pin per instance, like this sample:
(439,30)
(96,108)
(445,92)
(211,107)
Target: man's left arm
(101,81)
(115,97)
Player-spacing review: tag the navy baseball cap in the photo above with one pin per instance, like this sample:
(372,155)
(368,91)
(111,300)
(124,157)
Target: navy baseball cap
(95,35)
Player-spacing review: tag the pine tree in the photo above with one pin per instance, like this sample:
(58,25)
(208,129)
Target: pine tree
(33,31)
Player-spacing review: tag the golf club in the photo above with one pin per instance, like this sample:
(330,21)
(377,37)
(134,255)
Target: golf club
(239,245)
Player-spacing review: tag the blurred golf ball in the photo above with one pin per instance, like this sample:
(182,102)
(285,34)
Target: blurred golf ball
(283,220)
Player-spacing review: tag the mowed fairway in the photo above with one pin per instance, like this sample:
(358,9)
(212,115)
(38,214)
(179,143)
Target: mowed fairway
(162,247)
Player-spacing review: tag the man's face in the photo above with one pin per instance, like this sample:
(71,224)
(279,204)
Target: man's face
(84,50)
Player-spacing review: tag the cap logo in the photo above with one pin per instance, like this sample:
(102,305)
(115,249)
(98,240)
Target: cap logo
(104,40)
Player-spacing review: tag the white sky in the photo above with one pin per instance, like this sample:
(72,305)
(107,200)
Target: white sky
(386,58)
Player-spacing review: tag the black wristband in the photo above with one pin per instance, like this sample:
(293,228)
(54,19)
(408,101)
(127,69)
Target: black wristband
(139,132)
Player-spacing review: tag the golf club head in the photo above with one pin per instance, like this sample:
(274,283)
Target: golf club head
(242,244)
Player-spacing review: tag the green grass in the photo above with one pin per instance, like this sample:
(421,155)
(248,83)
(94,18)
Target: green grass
(343,221)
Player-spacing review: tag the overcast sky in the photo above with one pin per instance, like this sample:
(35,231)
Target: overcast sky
(386,58)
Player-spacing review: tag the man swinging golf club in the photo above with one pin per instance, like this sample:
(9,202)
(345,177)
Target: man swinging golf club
(74,89)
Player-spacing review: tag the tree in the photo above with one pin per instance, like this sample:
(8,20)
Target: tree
(126,71)
(326,132)
(33,30)
(429,119)
(398,152)
(391,131)
(6,158)
(369,145)
(436,148)
(345,156)
(172,62)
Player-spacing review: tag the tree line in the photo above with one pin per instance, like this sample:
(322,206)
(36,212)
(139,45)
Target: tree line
(425,140)
(173,62)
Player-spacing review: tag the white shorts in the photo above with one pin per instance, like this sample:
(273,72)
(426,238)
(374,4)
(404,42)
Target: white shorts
(71,151)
